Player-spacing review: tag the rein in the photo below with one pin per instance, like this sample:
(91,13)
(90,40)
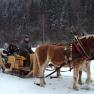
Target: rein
(55,71)
(60,71)
(52,73)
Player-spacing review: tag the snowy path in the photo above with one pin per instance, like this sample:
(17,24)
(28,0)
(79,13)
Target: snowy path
(14,85)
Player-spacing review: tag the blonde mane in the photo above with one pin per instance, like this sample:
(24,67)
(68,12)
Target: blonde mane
(87,36)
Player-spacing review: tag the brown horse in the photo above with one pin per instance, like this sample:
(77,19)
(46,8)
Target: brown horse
(85,67)
(57,55)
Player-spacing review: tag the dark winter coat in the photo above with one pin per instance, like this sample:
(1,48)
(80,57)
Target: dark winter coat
(25,48)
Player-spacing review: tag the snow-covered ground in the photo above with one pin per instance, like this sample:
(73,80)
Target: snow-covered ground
(10,84)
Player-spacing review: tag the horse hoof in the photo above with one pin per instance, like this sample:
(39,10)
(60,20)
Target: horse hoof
(76,88)
(80,83)
(42,85)
(89,81)
(38,84)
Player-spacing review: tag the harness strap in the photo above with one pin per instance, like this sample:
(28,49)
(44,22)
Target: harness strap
(53,71)
(60,71)
(38,84)
(80,43)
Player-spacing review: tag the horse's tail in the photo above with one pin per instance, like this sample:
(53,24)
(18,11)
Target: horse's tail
(35,65)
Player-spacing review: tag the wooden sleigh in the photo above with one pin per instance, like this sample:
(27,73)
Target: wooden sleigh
(18,66)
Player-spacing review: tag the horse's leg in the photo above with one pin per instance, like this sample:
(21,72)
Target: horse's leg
(42,70)
(75,77)
(58,73)
(88,80)
(80,77)
(80,74)
(42,81)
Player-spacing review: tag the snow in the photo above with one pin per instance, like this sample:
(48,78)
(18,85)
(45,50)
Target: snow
(10,84)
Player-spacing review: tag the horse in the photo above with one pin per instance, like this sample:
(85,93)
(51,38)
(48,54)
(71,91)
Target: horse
(57,55)
(85,67)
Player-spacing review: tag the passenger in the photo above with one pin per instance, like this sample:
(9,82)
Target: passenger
(25,49)
(11,51)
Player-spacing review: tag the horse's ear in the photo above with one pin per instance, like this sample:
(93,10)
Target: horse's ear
(73,30)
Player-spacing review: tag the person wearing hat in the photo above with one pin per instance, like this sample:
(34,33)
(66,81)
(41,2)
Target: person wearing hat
(25,49)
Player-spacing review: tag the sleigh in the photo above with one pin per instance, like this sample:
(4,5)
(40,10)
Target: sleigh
(19,66)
